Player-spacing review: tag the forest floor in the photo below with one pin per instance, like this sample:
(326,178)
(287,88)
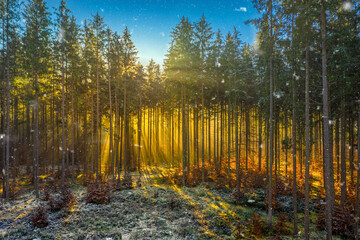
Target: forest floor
(154,210)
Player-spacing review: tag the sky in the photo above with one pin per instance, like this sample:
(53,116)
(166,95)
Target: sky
(151,21)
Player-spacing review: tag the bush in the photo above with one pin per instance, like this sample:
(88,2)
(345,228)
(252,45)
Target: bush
(64,200)
(256,225)
(237,196)
(55,204)
(174,203)
(343,220)
(98,192)
(280,225)
(39,217)
(46,192)
(67,197)
(127,182)
(239,230)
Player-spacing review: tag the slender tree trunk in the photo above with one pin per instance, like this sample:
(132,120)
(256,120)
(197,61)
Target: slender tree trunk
(125,131)
(247,135)
(236,149)
(53,129)
(111,150)
(98,134)
(139,136)
(286,147)
(327,177)
(229,143)
(260,139)
(63,150)
(7,194)
(92,133)
(85,144)
(343,152)
(337,148)
(36,136)
(294,126)
(357,215)
(184,137)
(202,136)
(269,197)
(221,137)
(116,136)
(73,135)
(307,143)
(209,133)
(351,149)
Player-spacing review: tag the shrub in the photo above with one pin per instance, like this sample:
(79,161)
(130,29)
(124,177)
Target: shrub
(64,200)
(138,182)
(67,198)
(256,225)
(343,221)
(98,192)
(127,182)
(55,204)
(280,225)
(39,217)
(46,192)
(174,203)
(237,196)
(239,230)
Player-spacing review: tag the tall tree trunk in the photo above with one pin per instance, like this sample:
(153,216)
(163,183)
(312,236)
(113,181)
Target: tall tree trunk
(139,136)
(337,148)
(92,133)
(269,197)
(85,144)
(307,143)
(260,139)
(327,177)
(236,149)
(111,150)
(209,133)
(53,129)
(73,135)
(294,125)
(202,135)
(221,136)
(63,150)
(247,133)
(343,152)
(7,194)
(357,215)
(125,132)
(184,137)
(351,149)
(229,143)
(36,159)
(98,134)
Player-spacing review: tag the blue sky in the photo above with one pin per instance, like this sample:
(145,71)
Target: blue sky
(151,21)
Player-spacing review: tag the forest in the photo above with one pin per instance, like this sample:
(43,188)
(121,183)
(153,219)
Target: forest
(225,140)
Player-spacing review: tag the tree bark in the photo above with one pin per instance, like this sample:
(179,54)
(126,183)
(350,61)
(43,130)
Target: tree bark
(307,143)
(327,177)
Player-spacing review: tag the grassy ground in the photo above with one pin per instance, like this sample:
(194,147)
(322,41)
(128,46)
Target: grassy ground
(155,210)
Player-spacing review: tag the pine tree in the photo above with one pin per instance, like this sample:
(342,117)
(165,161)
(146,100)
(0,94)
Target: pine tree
(129,66)
(202,38)
(327,172)
(97,25)
(36,46)
(11,17)
(179,68)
